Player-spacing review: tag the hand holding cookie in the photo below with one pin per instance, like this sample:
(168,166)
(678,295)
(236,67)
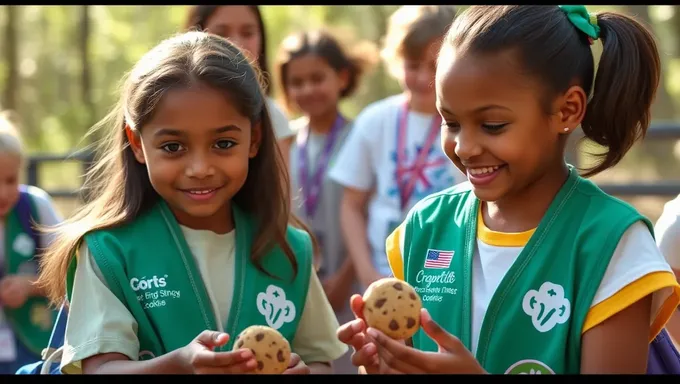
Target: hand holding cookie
(270,348)
(392,306)
(451,357)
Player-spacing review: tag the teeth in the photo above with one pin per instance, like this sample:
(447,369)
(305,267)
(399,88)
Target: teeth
(201,192)
(482,171)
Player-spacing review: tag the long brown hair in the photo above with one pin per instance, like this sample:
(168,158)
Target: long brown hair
(551,49)
(197,19)
(120,185)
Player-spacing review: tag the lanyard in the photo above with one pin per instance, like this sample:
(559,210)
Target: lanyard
(311,186)
(406,187)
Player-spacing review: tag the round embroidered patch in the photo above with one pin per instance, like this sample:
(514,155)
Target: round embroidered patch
(529,367)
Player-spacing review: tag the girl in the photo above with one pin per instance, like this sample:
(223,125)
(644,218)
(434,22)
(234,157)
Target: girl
(25,317)
(315,74)
(243,24)
(391,159)
(188,241)
(558,271)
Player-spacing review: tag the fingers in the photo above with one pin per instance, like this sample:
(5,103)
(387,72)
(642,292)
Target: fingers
(294,360)
(396,356)
(356,302)
(243,367)
(366,356)
(224,359)
(445,340)
(351,333)
(212,339)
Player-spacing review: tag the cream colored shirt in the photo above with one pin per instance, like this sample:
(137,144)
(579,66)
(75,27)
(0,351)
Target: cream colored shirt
(99,323)
(280,122)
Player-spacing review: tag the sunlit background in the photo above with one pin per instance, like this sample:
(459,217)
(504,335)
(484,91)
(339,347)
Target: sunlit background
(61,66)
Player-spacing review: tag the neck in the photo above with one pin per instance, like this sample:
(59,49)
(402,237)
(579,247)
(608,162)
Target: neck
(524,210)
(418,104)
(220,222)
(323,123)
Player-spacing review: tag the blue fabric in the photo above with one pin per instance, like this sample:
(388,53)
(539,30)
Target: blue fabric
(24,356)
(35,364)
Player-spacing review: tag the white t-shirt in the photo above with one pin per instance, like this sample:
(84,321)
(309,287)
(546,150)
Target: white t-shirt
(667,231)
(367,162)
(635,270)
(99,323)
(279,120)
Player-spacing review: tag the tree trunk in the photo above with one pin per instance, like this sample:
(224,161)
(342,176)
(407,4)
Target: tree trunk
(11,91)
(86,74)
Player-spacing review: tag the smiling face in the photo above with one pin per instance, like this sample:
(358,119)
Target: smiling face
(313,85)
(495,129)
(196,148)
(419,75)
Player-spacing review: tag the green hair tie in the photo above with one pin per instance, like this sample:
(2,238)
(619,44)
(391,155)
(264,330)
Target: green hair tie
(584,21)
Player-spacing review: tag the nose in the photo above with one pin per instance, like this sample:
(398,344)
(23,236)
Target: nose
(306,89)
(467,145)
(199,166)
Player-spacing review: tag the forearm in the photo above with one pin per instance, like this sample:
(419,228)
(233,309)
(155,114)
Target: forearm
(353,223)
(320,368)
(170,363)
(346,270)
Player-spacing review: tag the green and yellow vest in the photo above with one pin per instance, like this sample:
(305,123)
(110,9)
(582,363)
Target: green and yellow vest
(148,265)
(534,320)
(31,323)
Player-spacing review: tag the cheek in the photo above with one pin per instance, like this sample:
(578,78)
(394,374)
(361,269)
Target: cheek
(448,142)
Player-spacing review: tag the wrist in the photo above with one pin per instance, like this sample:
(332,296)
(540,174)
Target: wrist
(181,358)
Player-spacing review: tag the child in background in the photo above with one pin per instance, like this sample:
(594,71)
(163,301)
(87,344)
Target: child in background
(392,157)
(26,319)
(188,240)
(530,268)
(244,26)
(316,73)
(667,231)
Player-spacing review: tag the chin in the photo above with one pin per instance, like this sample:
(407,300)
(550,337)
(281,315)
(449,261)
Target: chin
(487,194)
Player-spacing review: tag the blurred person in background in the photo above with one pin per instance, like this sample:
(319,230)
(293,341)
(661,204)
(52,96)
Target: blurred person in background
(316,72)
(393,157)
(667,231)
(26,318)
(244,26)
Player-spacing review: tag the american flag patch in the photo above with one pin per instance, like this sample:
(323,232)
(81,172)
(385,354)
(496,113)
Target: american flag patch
(438,259)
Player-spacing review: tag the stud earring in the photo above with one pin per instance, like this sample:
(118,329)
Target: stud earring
(566,129)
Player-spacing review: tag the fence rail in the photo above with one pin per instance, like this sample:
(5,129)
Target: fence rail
(658,131)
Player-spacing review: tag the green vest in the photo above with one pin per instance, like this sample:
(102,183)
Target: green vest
(535,318)
(148,265)
(32,323)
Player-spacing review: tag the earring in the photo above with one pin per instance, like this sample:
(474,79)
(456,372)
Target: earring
(566,129)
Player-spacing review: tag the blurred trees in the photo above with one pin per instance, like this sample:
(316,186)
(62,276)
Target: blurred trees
(61,66)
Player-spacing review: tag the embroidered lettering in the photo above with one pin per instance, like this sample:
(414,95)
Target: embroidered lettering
(273,305)
(431,293)
(150,292)
(143,284)
(547,307)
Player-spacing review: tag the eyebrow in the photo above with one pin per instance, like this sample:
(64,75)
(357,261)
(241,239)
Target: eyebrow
(176,132)
(477,110)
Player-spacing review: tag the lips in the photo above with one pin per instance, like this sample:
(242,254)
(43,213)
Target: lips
(480,171)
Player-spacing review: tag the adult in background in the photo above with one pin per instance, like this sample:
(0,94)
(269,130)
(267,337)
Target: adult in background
(244,26)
